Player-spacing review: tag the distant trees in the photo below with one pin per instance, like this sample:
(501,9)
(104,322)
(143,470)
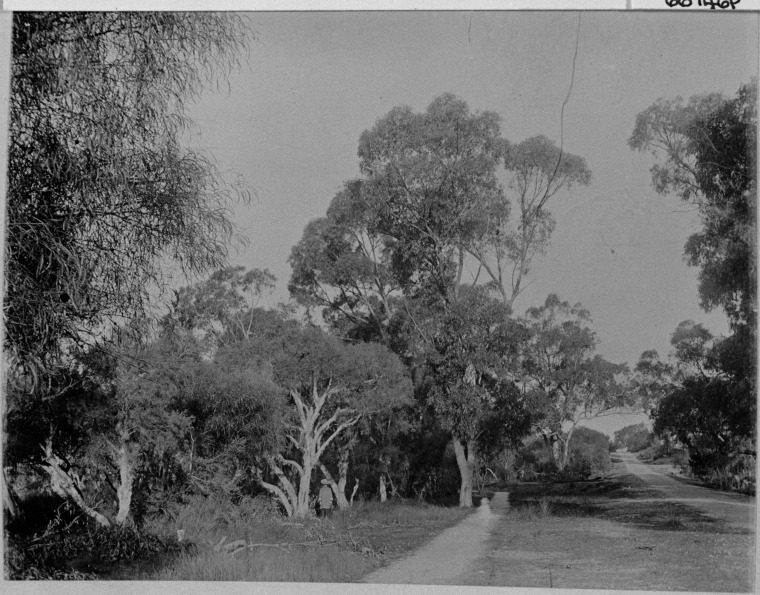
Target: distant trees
(589,453)
(99,187)
(706,396)
(567,381)
(634,438)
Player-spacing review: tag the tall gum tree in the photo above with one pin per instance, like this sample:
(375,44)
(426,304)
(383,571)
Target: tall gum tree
(706,154)
(427,206)
(432,178)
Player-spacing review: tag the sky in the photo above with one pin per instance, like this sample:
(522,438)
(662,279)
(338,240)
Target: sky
(290,121)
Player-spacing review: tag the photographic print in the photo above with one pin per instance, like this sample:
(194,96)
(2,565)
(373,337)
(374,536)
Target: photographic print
(361,298)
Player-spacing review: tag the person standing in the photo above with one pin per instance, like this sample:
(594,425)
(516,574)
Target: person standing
(325,499)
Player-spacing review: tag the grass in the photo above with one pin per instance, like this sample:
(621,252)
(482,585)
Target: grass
(327,564)
(339,548)
(611,534)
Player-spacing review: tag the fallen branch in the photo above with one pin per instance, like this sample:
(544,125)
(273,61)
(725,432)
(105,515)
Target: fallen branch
(234,547)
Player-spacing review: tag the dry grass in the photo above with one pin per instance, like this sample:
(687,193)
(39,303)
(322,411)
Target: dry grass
(612,535)
(316,564)
(339,548)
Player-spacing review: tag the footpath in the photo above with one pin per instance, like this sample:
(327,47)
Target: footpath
(450,554)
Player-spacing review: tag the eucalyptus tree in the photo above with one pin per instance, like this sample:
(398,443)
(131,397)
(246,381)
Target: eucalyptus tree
(568,382)
(101,190)
(706,151)
(472,356)
(397,243)
(537,171)
(221,309)
(342,264)
(330,385)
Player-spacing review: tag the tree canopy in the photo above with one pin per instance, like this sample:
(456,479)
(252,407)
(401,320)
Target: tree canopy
(101,191)
(709,147)
(566,379)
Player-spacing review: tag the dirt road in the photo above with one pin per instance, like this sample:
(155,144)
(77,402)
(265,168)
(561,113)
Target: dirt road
(737,510)
(613,534)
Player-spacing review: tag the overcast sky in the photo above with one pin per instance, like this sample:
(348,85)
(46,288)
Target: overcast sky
(291,121)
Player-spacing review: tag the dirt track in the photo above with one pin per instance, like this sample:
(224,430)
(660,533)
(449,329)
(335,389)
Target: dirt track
(447,556)
(492,548)
(737,510)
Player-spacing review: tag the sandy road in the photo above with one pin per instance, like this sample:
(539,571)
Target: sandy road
(737,510)
(449,555)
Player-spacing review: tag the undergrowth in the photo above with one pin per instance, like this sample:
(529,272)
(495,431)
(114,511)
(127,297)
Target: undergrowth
(80,551)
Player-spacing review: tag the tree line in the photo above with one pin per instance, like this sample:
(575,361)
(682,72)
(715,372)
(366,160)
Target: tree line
(401,341)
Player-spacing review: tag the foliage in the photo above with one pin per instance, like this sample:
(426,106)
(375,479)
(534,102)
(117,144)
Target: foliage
(635,438)
(565,379)
(715,420)
(537,171)
(343,265)
(433,178)
(589,453)
(709,145)
(183,424)
(100,191)
(704,399)
(473,347)
(220,309)
(330,384)
(79,551)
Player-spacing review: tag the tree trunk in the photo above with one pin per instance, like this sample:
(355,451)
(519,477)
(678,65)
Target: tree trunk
(63,485)
(566,449)
(466,462)
(10,506)
(124,491)
(338,491)
(383,490)
(557,452)
(340,495)
(301,508)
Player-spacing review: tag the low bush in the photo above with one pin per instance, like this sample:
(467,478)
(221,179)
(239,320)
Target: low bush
(80,550)
(589,454)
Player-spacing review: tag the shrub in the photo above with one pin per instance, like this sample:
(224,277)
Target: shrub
(80,550)
(589,453)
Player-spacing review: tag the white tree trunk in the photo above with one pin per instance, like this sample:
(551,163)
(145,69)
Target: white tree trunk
(310,440)
(566,449)
(64,486)
(466,463)
(340,495)
(383,489)
(126,477)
